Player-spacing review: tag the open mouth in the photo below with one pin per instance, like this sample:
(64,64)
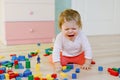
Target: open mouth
(70,35)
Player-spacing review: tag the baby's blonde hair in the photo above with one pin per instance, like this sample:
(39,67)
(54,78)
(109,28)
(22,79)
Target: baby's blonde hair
(69,15)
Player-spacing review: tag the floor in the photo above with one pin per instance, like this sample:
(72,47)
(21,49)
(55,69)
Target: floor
(106,51)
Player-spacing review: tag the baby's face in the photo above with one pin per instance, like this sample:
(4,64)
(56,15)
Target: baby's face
(70,30)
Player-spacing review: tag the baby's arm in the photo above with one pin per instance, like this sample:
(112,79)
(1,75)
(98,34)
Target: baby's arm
(58,66)
(87,64)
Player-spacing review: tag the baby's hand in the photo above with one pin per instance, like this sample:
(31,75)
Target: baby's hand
(58,67)
(86,66)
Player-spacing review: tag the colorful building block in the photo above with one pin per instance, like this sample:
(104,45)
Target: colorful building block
(74,76)
(112,72)
(77,70)
(100,68)
(38,59)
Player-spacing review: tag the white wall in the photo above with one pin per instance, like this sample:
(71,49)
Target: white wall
(1,20)
(99,17)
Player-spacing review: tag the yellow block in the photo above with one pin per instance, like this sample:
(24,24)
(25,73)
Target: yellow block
(38,75)
(1,57)
(7,76)
(64,67)
(37,67)
(63,75)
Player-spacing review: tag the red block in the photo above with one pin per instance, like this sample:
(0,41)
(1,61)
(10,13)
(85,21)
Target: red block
(112,72)
(15,62)
(54,76)
(93,62)
(36,78)
(1,71)
(12,54)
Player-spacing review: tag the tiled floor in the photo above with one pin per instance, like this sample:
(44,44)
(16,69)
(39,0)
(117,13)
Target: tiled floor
(106,51)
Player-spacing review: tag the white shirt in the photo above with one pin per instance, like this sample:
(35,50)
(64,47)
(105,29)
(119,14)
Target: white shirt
(71,48)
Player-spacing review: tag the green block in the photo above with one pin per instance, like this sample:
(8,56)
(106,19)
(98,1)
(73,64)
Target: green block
(27,64)
(115,69)
(30,77)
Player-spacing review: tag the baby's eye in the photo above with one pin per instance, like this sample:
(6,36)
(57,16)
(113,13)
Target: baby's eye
(67,29)
(73,28)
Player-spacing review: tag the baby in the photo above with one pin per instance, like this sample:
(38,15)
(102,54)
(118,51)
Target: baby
(71,45)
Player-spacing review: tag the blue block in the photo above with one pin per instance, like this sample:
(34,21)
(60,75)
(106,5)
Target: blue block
(21,58)
(74,76)
(100,68)
(65,79)
(77,70)
(66,70)
(14,58)
(21,75)
(29,56)
(18,78)
(2,76)
(26,73)
(20,66)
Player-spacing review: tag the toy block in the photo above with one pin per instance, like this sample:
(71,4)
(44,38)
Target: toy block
(1,71)
(21,75)
(37,51)
(21,58)
(112,72)
(6,63)
(26,73)
(16,66)
(38,75)
(70,66)
(115,69)
(29,56)
(14,58)
(77,70)
(65,79)
(20,66)
(36,78)
(64,67)
(30,77)
(7,76)
(92,62)
(34,53)
(66,70)
(37,67)
(54,75)
(119,72)
(1,57)
(48,51)
(74,76)
(15,62)
(12,55)
(46,55)
(100,68)
(18,78)
(63,75)
(38,59)
(2,76)
(48,76)
(27,64)
(13,75)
